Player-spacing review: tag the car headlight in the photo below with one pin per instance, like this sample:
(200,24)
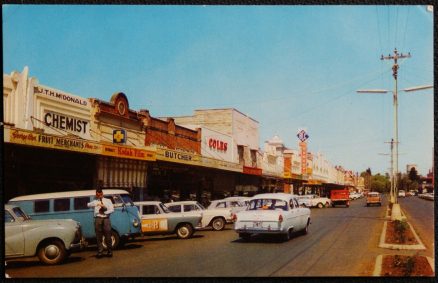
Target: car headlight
(135,223)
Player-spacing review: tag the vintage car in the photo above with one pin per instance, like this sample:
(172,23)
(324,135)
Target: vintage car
(272,213)
(157,219)
(401,193)
(314,201)
(234,204)
(374,198)
(214,218)
(242,200)
(355,195)
(51,240)
(125,220)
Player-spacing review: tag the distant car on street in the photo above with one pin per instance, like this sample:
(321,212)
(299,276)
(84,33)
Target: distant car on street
(374,198)
(157,219)
(401,193)
(340,197)
(214,218)
(355,195)
(314,201)
(51,240)
(273,213)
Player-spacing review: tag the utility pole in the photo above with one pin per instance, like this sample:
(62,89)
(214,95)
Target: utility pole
(395,68)
(391,192)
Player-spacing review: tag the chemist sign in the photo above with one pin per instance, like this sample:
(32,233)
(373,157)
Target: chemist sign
(302,135)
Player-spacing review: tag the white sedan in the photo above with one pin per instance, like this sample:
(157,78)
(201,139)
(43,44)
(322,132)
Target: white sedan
(274,213)
(314,201)
(214,218)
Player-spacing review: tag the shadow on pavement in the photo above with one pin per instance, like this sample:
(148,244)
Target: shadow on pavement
(164,238)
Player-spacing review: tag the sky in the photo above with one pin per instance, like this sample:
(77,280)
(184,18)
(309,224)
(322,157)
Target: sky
(287,67)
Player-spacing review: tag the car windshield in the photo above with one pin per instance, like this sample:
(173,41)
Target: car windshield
(127,199)
(267,204)
(200,206)
(20,213)
(164,208)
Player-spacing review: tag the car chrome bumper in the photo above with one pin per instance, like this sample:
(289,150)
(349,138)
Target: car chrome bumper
(260,231)
(79,246)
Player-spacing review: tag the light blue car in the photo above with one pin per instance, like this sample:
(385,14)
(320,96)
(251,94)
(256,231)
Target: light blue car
(125,220)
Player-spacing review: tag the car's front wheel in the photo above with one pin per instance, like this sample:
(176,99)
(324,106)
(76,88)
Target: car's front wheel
(327,204)
(184,231)
(52,252)
(218,224)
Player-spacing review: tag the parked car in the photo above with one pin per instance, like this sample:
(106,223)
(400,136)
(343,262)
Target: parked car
(355,195)
(273,213)
(314,201)
(234,205)
(428,196)
(401,193)
(214,218)
(125,220)
(51,240)
(242,200)
(374,198)
(157,219)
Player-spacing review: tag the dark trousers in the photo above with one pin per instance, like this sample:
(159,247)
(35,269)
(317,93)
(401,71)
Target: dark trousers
(102,227)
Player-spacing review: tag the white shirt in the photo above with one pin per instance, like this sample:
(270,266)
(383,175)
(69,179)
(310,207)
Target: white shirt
(97,203)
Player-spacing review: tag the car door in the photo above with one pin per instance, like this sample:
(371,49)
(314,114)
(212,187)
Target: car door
(293,215)
(14,237)
(152,219)
(303,214)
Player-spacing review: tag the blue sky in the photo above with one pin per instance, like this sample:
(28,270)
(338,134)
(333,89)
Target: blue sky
(288,67)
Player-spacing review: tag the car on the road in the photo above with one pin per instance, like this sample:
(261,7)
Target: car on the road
(355,195)
(428,196)
(214,218)
(157,219)
(314,201)
(401,193)
(272,213)
(51,240)
(242,200)
(234,204)
(374,198)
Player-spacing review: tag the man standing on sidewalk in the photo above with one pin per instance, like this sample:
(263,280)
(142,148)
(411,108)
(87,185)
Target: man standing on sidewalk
(103,208)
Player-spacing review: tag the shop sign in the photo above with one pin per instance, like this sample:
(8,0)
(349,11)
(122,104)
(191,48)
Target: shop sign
(178,156)
(127,152)
(55,94)
(217,144)
(49,141)
(78,145)
(64,122)
(252,171)
(119,136)
(303,147)
(287,175)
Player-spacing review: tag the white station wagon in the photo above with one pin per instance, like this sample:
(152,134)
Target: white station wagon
(274,213)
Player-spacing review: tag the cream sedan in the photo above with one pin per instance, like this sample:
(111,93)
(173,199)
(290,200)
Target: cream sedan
(275,213)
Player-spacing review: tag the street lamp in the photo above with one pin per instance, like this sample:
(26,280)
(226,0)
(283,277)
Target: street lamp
(394,191)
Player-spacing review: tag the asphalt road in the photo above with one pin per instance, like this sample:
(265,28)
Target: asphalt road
(341,242)
(420,214)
